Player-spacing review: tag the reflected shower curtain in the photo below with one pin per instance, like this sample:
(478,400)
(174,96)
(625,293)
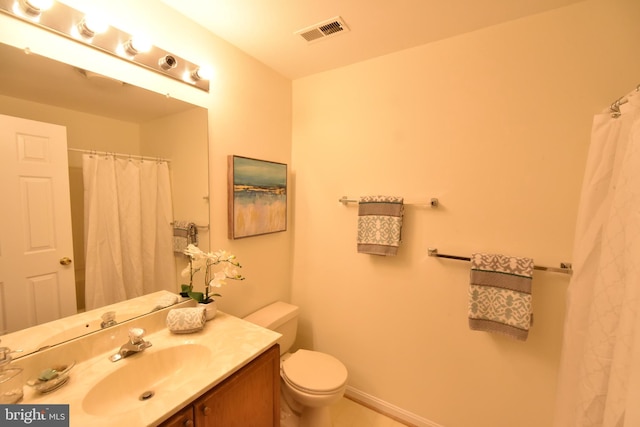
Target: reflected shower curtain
(128,234)
(599,377)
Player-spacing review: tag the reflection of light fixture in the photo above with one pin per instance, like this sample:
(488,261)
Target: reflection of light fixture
(91,25)
(136,45)
(32,8)
(100,80)
(168,62)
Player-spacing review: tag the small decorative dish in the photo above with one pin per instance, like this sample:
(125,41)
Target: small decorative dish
(51,378)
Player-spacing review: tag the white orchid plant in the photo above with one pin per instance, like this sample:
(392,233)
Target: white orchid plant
(213,278)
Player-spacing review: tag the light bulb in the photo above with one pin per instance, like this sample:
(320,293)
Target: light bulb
(202,73)
(92,25)
(136,45)
(31,8)
(37,5)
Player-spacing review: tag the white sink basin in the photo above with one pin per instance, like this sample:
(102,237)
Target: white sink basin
(143,377)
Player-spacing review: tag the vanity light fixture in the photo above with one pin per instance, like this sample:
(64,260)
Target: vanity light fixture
(201,73)
(71,23)
(91,25)
(135,45)
(31,8)
(197,74)
(168,62)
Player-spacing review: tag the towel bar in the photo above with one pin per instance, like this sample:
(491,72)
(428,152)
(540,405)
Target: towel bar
(200,227)
(565,267)
(433,202)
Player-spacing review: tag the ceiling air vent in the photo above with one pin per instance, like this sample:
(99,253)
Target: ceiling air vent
(322,30)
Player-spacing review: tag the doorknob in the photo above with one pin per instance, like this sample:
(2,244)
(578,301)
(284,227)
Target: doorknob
(65,261)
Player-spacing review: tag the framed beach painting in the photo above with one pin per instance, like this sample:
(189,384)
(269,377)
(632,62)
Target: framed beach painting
(257,197)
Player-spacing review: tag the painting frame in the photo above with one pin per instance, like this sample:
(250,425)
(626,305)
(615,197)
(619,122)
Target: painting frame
(256,197)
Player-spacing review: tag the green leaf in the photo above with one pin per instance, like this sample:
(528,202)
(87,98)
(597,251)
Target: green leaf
(198,296)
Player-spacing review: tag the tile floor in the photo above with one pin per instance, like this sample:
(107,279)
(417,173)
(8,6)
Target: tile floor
(347,413)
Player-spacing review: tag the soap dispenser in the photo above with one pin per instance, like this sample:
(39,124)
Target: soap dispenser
(10,379)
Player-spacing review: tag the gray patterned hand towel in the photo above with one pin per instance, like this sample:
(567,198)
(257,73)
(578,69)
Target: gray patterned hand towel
(184,234)
(186,320)
(379,224)
(500,294)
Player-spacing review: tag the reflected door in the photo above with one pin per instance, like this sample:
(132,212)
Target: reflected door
(37,282)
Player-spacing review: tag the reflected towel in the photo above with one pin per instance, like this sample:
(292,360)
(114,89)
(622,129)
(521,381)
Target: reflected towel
(186,320)
(379,224)
(165,301)
(184,234)
(500,294)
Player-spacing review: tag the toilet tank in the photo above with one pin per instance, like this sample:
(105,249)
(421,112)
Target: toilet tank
(280,317)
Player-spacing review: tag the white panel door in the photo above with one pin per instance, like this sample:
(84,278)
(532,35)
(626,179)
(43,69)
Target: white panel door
(37,282)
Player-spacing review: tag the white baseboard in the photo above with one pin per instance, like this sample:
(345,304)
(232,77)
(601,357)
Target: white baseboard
(388,409)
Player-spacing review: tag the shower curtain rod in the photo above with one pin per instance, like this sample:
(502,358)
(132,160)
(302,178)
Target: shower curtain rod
(120,155)
(615,107)
(564,266)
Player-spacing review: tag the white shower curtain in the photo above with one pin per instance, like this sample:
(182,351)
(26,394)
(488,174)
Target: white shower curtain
(128,233)
(599,379)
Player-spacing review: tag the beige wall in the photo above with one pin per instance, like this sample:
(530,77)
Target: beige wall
(85,131)
(495,123)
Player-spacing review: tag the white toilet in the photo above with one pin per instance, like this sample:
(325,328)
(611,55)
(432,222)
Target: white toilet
(310,381)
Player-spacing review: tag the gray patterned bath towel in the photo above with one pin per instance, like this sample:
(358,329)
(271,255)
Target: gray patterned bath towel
(380,224)
(500,294)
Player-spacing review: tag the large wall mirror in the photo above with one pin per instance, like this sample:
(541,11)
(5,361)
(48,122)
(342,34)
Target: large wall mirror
(102,115)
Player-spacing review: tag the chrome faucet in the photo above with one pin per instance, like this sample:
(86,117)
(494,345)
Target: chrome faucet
(108,319)
(136,344)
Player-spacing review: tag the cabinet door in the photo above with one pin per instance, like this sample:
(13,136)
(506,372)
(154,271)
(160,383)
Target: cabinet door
(184,418)
(249,398)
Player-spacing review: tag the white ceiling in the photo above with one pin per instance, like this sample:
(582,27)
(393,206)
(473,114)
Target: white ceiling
(265,29)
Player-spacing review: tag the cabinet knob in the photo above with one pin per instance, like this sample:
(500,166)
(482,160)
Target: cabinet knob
(206,410)
(188,423)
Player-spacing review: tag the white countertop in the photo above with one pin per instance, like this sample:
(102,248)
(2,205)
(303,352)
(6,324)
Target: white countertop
(231,342)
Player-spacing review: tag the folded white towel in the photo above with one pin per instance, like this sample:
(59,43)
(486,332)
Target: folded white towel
(186,320)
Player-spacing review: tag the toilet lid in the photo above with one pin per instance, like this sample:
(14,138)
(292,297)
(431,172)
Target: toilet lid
(314,372)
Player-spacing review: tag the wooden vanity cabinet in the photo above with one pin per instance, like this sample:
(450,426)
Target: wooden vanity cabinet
(248,398)
(184,418)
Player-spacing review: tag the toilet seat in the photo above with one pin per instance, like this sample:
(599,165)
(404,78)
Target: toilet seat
(314,372)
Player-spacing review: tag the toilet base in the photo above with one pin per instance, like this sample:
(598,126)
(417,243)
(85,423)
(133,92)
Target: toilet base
(293,414)
(310,417)
(288,419)
(316,417)
(288,416)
